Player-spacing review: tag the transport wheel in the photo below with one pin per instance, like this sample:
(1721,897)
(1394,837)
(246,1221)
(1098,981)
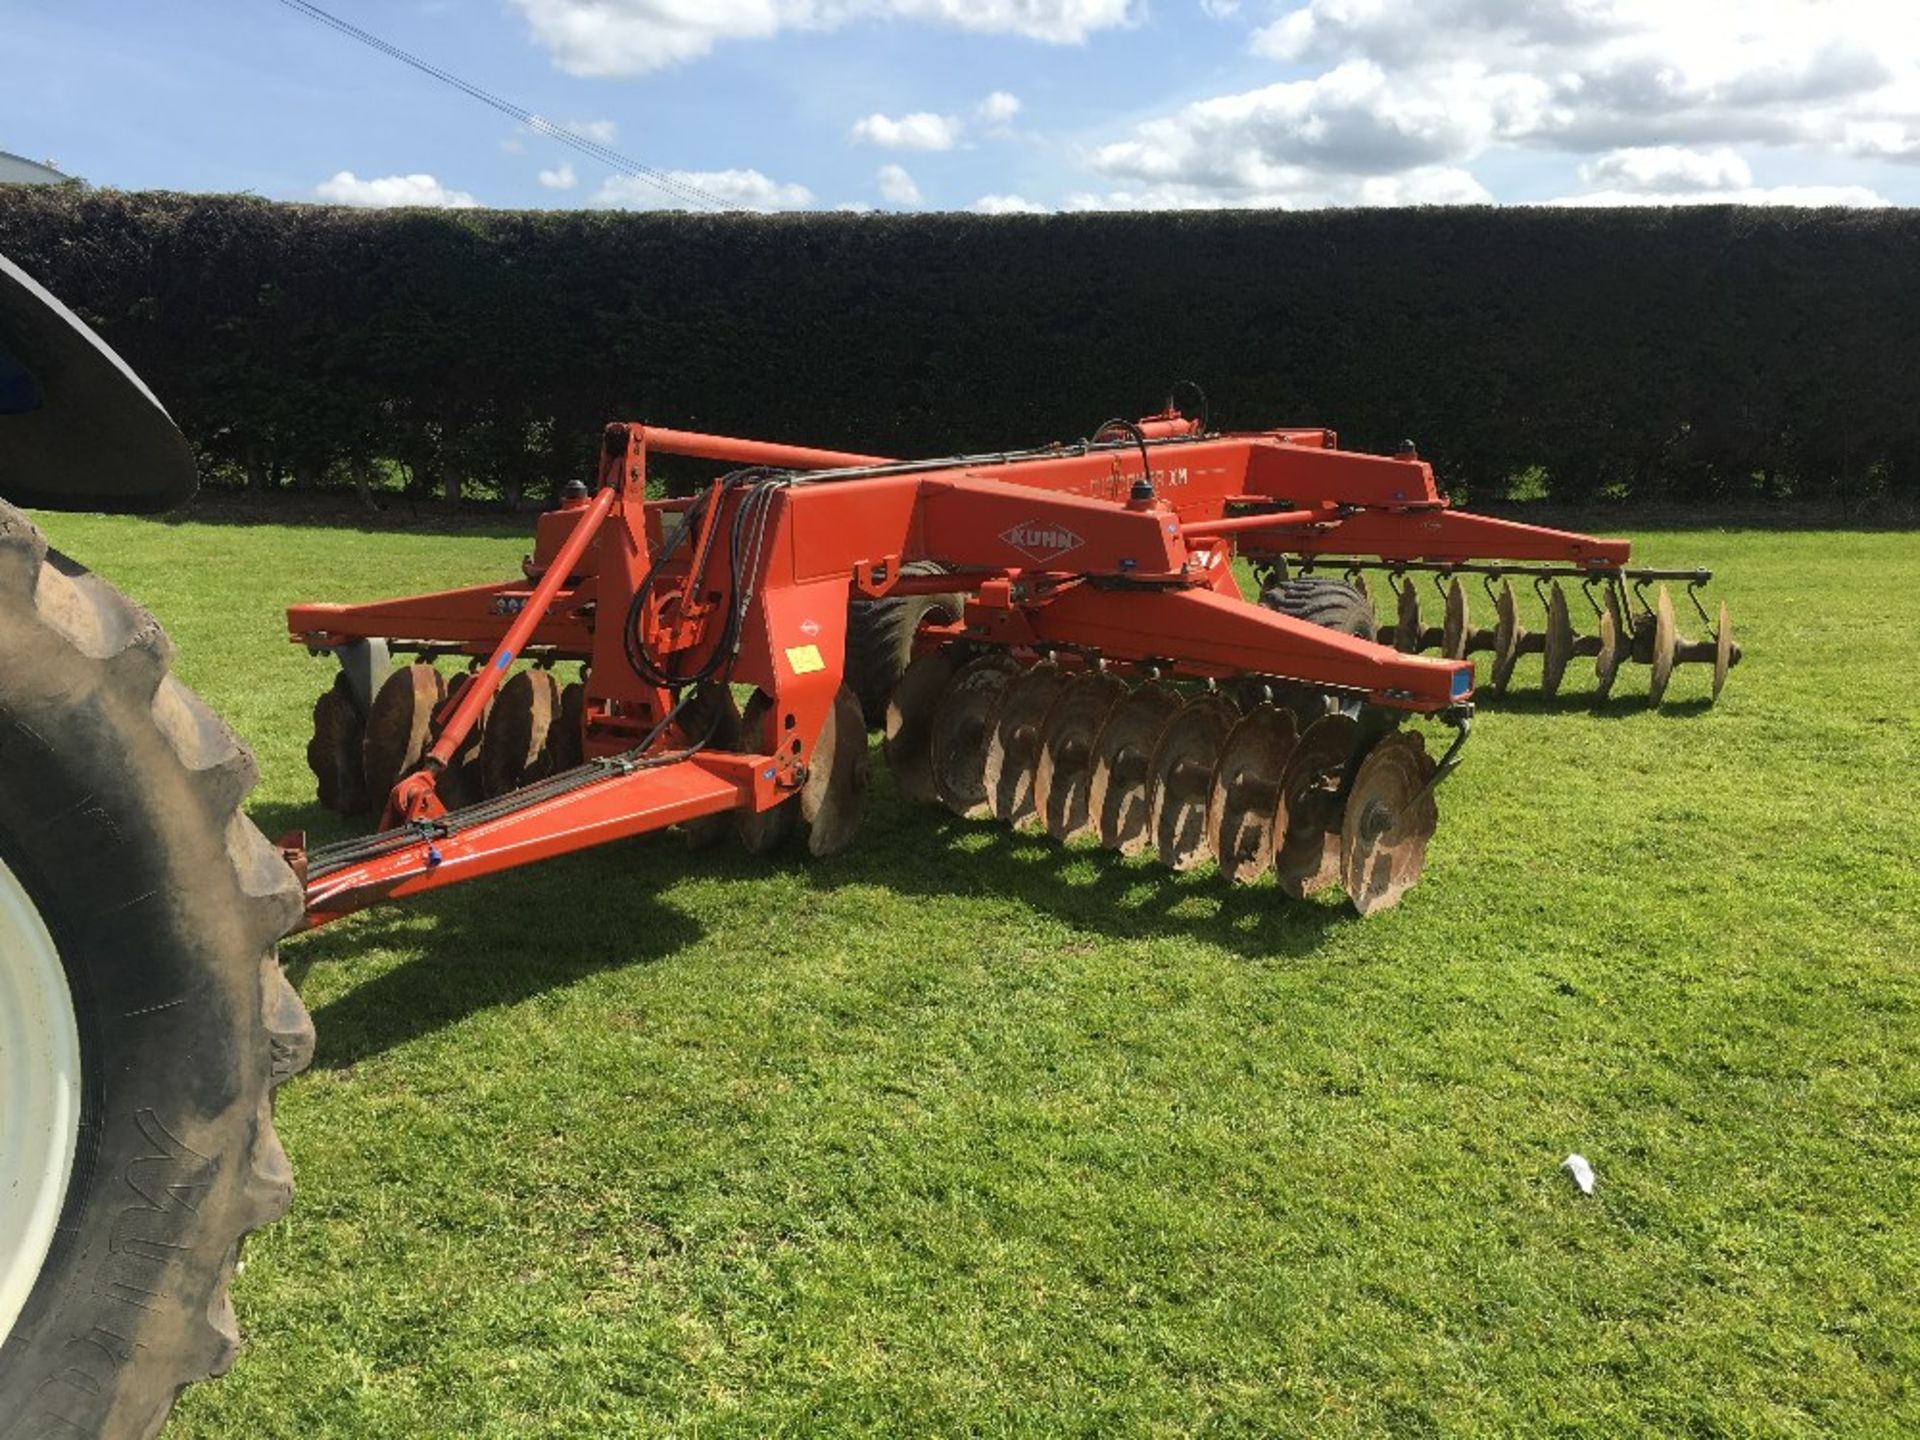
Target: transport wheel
(880,639)
(144,1021)
(1334,605)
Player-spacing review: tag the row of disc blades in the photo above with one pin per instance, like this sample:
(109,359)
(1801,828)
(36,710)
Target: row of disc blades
(532,729)
(1651,638)
(1146,767)
(529,731)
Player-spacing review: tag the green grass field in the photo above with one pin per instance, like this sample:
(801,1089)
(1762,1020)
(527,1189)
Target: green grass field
(959,1133)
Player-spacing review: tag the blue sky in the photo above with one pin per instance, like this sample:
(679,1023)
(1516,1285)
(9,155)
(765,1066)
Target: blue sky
(983,104)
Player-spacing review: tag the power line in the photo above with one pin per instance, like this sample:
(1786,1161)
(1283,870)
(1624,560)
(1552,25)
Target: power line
(661,180)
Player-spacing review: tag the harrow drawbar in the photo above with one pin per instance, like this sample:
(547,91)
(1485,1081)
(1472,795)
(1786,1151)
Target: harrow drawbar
(1055,639)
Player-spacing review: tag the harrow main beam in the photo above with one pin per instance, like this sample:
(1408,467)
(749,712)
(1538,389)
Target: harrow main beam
(1447,536)
(1202,634)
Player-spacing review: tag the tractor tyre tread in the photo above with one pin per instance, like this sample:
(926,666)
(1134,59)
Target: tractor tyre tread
(1332,604)
(119,812)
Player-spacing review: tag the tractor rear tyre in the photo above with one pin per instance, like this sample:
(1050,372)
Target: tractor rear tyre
(880,635)
(144,1020)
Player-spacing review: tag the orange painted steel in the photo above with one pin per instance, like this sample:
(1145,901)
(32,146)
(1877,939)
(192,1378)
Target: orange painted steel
(1060,551)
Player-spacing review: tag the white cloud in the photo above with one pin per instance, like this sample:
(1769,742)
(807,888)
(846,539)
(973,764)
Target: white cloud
(896,185)
(1058,22)
(1007,205)
(603,131)
(1351,120)
(560,179)
(921,130)
(1659,97)
(1297,189)
(1670,168)
(1884,139)
(634,37)
(742,189)
(346,188)
(1811,195)
(997,111)
(1613,74)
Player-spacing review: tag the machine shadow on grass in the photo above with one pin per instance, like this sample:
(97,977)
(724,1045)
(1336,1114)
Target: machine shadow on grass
(480,947)
(908,851)
(492,943)
(1621,706)
(395,516)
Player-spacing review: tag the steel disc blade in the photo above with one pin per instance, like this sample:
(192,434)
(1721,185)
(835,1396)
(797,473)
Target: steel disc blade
(334,753)
(1063,770)
(1117,789)
(1453,633)
(1507,635)
(1245,791)
(1306,817)
(1013,740)
(1723,650)
(834,797)
(959,732)
(460,782)
(1180,779)
(1559,645)
(513,745)
(1406,625)
(1390,817)
(761,832)
(569,728)
(398,724)
(1607,663)
(1665,642)
(909,734)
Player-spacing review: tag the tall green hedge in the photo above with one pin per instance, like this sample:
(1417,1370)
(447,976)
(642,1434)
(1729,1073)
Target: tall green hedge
(1693,353)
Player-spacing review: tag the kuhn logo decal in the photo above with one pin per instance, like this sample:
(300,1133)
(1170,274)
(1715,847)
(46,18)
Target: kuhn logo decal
(1039,540)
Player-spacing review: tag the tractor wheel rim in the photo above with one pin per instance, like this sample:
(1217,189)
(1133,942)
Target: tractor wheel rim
(39,1094)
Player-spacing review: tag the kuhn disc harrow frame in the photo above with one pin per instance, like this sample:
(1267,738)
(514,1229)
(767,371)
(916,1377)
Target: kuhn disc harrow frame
(1109,557)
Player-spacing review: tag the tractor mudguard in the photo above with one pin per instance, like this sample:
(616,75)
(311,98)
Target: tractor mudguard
(78,429)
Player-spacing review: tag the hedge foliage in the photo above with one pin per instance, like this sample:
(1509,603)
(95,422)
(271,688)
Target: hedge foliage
(1693,354)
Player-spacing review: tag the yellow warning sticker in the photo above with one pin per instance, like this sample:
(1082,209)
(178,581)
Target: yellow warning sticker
(805,659)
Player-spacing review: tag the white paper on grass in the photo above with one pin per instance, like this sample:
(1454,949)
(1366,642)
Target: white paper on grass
(1581,1171)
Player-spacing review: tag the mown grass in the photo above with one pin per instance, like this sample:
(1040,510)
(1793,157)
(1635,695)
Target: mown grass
(959,1133)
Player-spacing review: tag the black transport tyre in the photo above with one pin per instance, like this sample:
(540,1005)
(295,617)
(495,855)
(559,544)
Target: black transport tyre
(1331,603)
(880,639)
(139,910)
(1334,604)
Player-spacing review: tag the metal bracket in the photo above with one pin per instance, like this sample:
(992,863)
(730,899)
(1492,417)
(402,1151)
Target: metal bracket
(1462,721)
